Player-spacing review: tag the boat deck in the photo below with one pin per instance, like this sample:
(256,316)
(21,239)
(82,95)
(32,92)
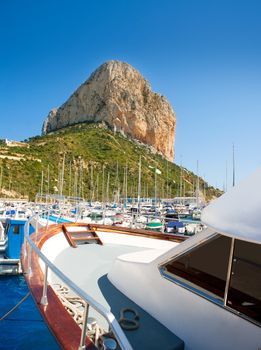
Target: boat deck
(92,263)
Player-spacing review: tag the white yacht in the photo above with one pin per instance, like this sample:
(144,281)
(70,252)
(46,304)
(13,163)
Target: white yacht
(102,287)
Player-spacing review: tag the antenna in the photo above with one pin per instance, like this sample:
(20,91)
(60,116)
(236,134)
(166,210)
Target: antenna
(226,179)
(234,177)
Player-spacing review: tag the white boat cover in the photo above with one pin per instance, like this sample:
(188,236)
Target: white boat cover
(237,213)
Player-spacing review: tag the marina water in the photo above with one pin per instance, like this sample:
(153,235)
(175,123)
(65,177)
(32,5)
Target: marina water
(24,328)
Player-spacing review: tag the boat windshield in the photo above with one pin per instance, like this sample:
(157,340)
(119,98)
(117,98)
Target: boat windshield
(205,269)
(244,293)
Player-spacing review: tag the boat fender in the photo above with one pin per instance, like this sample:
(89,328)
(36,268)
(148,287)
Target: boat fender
(129,324)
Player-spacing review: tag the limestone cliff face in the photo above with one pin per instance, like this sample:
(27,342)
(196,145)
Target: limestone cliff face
(117,94)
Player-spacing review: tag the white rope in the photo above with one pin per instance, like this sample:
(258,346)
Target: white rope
(15,307)
(75,307)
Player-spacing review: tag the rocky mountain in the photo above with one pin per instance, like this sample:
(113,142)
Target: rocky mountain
(119,96)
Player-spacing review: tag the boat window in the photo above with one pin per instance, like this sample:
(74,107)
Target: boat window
(244,294)
(16,229)
(203,268)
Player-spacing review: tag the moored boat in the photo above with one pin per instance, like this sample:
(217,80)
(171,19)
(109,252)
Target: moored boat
(12,238)
(154,225)
(203,293)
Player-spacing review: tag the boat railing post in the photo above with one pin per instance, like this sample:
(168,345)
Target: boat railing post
(229,269)
(84,327)
(163,225)
(36,225)
(44,299)
(47,220)
(29,269)
(26,233)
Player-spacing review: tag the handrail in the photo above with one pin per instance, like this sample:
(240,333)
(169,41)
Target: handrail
(108,315)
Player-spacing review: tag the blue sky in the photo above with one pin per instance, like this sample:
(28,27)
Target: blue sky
(204,56)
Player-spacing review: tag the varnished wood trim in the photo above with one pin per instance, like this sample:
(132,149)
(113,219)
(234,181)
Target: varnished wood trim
(79,232)
(132,232)
(68,237)
(86,238)
(95,234)
(147,234)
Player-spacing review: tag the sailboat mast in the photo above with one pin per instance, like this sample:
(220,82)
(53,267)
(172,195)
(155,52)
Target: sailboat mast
(167,195)
(70,178)
(117,184)
(41,192)
(123,188)
(108,187)
(155,187)
(1,179)
(197,189)
(97,188)
(76,182)
(226,179)
(126,184)
(103,166)
(92,185)
(139,185)
(48,179)
(180,183)
(204,188)
(62,175)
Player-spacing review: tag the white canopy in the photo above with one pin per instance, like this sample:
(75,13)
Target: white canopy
(237,213)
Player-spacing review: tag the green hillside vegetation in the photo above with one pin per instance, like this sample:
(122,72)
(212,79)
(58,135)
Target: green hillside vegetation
(95,162)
